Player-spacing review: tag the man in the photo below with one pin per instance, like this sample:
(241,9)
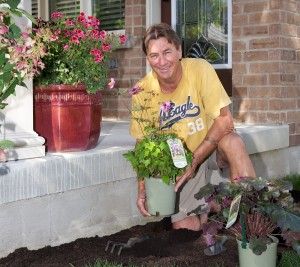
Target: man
(199,114)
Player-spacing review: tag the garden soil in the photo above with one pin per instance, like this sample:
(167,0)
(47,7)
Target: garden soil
(162,247)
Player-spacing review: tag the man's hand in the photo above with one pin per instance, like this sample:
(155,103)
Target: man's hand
(141,199)
(189,173)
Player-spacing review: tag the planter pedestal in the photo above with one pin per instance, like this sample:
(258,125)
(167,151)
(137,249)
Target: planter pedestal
(67,117)
(161,197)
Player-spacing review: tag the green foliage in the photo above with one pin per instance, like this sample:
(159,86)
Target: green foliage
(152,158)
(5,144)
(78,52)
(289,259)
(294,179)
(267,204)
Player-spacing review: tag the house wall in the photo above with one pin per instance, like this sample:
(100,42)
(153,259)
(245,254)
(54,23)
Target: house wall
(131,62)
(265,71)
(266,67)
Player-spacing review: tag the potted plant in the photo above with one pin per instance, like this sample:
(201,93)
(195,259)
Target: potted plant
(252,209)
(157,159)
(67,92)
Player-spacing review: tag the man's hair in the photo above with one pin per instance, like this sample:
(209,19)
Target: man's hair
(160,30)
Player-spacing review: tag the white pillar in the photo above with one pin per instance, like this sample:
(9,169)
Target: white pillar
(17,118)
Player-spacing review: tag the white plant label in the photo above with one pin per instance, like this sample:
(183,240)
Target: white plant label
(234,211)
(177,152)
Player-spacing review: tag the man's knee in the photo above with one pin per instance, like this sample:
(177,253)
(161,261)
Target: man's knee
(231,141)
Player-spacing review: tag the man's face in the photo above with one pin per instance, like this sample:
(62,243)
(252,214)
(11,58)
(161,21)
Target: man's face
(164,59)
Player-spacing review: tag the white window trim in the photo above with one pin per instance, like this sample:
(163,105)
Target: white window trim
(216,66)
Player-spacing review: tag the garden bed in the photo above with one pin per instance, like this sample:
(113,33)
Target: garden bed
(165,247)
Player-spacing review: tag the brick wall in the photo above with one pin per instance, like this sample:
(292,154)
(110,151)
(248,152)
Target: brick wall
(266,63)
(131,63)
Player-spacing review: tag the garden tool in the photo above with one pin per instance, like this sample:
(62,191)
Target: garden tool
(217,247)
(130,243)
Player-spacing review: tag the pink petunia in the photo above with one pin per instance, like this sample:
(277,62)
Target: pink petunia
(135,90)
(111,84)
(98,59)
(66,47)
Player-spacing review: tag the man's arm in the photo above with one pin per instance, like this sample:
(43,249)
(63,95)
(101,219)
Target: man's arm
(221,126)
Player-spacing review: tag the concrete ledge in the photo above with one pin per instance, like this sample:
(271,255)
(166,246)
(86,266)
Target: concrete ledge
(261,138)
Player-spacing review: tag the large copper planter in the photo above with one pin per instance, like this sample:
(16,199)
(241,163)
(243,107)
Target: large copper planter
(67,117)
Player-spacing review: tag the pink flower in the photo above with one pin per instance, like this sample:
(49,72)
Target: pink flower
(111,84)
(96,52)
(66,47)
(3,29)
(53,38)
(122,38)
(135,90)
(69,23)
(98,59)
(56,15)
(105,47)
(165,106)
(102,34)
(74,39)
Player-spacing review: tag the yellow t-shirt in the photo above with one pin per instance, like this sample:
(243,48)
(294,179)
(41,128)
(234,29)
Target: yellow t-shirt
(195,103)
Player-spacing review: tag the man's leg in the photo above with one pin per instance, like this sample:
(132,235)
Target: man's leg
(232,154)
(187,202)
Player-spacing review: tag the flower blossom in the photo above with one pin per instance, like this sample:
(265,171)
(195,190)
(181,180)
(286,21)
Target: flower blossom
(111,84)
(165,106)
(135,90)
(105,47)
(122,38)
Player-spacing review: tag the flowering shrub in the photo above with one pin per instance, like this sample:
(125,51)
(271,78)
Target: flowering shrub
(152,155)
(20,51)
(77,51)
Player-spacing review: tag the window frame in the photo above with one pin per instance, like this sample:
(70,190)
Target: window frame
(229,45)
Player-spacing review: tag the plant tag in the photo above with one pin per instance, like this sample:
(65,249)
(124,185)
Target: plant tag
(177,152)
(234,211)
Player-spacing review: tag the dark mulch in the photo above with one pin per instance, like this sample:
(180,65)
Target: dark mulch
(165,247)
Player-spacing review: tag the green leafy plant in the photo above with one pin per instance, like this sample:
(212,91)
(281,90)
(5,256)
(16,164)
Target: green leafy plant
(289,259)
(21,50)
(78,52)
(152,156)
(294,179)
(265,205)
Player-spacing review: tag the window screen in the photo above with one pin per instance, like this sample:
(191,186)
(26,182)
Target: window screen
(111,13)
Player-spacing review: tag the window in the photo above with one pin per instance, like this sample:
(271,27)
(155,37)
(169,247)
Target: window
(34,8)
(111,14)
(70,8)
(198,20)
